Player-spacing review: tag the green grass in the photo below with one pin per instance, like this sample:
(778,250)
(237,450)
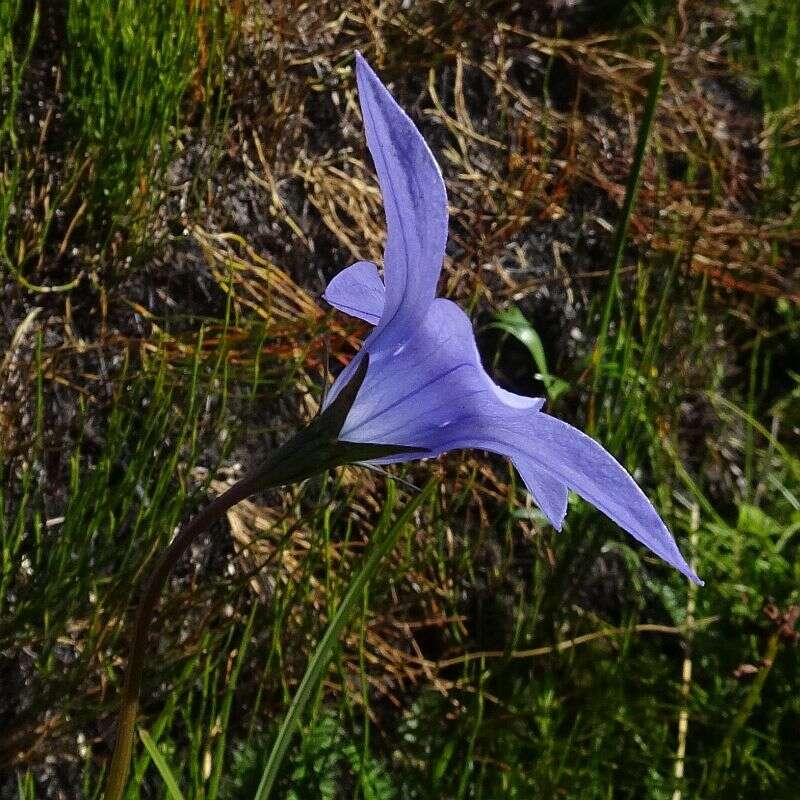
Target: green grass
(774,49)
(554,664)
(131,75)
(129,68)
(15,52)
(120,503)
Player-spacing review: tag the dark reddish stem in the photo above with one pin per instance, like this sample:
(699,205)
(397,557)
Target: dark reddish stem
(123,748)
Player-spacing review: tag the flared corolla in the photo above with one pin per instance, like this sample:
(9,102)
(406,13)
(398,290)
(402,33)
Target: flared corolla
(424,385)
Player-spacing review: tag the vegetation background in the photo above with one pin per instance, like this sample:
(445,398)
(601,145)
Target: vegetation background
(178,179)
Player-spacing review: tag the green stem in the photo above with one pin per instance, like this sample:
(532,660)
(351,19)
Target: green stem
(322,654)
(310,451)
(621,233)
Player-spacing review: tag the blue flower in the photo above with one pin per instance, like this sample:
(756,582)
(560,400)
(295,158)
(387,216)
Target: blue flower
(424,388)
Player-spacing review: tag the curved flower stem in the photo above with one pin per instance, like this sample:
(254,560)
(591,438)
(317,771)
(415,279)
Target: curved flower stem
(311,450)
(120,762)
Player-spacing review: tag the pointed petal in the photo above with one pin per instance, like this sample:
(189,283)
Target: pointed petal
(358,291)
(414,199)
(549,493)
(593,473)
(573,459)
(430,391)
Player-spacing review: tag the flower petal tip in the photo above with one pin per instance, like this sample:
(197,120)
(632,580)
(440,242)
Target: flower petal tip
(414,198)
(364,71)
(682,567)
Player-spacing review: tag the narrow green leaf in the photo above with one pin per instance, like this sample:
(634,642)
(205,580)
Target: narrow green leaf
(514,323)
(324,650)
(161,765)
(621,233)
(224,717)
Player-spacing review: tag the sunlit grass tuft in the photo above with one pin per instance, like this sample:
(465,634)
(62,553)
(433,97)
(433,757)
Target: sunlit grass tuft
(15,53)
(129,65)
(73,554)
(774,28)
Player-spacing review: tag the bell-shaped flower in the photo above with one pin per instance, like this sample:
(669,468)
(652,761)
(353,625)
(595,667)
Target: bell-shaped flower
(424,389)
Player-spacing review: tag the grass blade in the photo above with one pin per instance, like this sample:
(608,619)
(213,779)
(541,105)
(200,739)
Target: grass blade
(227,703)
(324,650)
(621,234)
(161,765)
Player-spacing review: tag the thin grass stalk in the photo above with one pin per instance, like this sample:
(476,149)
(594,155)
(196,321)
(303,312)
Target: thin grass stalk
(227,704)
(163,768)
(621,234)
(686,670)
(324,650)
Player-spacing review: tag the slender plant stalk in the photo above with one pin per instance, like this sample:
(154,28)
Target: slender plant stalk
(686,671)
(167,775)
(227,704)
(621,233)
(311,450)
(123,748)
(324,650)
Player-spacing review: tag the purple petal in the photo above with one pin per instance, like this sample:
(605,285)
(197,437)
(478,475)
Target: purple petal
(430,391)
(549,493)
(421,385)
(414,199)
(358,291)
(592,472)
